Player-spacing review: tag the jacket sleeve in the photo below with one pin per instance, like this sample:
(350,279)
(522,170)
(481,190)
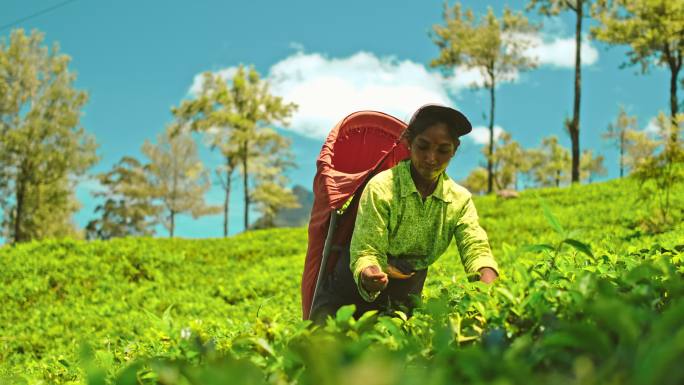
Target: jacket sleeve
(370,239)
(472,242)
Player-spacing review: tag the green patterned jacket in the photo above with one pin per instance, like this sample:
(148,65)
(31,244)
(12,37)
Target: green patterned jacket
(393,220)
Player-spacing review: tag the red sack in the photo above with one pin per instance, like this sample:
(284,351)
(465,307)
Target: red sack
(361,145)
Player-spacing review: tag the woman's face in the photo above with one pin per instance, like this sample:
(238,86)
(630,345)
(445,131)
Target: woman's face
(431,151)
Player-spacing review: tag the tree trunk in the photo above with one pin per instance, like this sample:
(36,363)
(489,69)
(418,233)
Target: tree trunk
(172,216)
(19,213)
(22,183)
(574,127)
(226,202)
(675,66)
(174,193)
(515,181)
(490,168)
(622,152)
(245,180)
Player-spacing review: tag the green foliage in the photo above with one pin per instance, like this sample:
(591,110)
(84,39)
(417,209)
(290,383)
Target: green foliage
(618,133)
(204,311)
(270,193)
(591,165)
(128,209)
(652,29)
(555,7)
(135,297)
(235,118)
(42,148)
(211,113)
(496,47)
(544,166)
(566,238)
(549,163)
(176,177)
(508,160)
(660,174)
(579,8)
(476,181)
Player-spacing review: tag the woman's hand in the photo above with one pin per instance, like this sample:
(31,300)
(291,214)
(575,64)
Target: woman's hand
(373,279)
(487,274)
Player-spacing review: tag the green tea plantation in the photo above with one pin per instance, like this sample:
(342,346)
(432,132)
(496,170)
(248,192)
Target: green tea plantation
(587,295)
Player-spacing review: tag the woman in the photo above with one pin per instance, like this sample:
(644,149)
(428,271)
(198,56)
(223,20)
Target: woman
(407,217)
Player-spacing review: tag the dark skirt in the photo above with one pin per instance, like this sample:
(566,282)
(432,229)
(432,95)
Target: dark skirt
(339,289)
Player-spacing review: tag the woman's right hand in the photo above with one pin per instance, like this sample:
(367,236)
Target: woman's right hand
(373,279)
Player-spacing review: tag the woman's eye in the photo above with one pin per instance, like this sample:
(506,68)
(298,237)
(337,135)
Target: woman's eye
(422,148)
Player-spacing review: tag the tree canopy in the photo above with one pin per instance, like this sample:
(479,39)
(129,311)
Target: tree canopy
(236,116)
(654,32)
(177,177)
(496,47)
(43,149)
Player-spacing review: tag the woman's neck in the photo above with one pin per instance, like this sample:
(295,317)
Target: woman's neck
(424,186)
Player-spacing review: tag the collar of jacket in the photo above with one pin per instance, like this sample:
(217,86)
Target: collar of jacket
(409,187)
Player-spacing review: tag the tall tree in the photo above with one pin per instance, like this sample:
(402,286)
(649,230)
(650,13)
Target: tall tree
(654,31)
(476,181)
(49,210)
(591,165)
(239,111)
(493,46)
(639,147)
(618,131)
(43,150)
(659,174)
(128,208)
(211,113)
(270,192)
(177,176)
(550,162)
(580,8)
(508,161)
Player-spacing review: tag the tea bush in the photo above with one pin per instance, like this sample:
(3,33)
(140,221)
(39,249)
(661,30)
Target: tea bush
(216,311)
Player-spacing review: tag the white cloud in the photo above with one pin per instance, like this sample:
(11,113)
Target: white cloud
(659,127)
(226,74)
(327,89)
(560,52)
(469,77)
(480,134)
(652,127)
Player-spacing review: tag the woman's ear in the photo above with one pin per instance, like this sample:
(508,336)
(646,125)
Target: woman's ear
(457,143)
(405,141)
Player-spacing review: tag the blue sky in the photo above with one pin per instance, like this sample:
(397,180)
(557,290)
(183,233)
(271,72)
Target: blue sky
(137,59)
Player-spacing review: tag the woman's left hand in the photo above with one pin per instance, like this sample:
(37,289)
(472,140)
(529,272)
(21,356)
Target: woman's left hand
(487,274)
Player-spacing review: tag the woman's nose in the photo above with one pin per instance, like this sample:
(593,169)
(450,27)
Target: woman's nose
(431,157)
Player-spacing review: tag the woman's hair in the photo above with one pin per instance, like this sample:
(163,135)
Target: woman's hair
(417,126)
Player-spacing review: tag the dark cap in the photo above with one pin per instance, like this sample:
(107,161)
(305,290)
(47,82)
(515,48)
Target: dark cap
(448,115)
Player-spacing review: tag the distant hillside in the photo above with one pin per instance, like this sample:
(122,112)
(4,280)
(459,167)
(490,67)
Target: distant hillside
(299,216)
(296,217)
